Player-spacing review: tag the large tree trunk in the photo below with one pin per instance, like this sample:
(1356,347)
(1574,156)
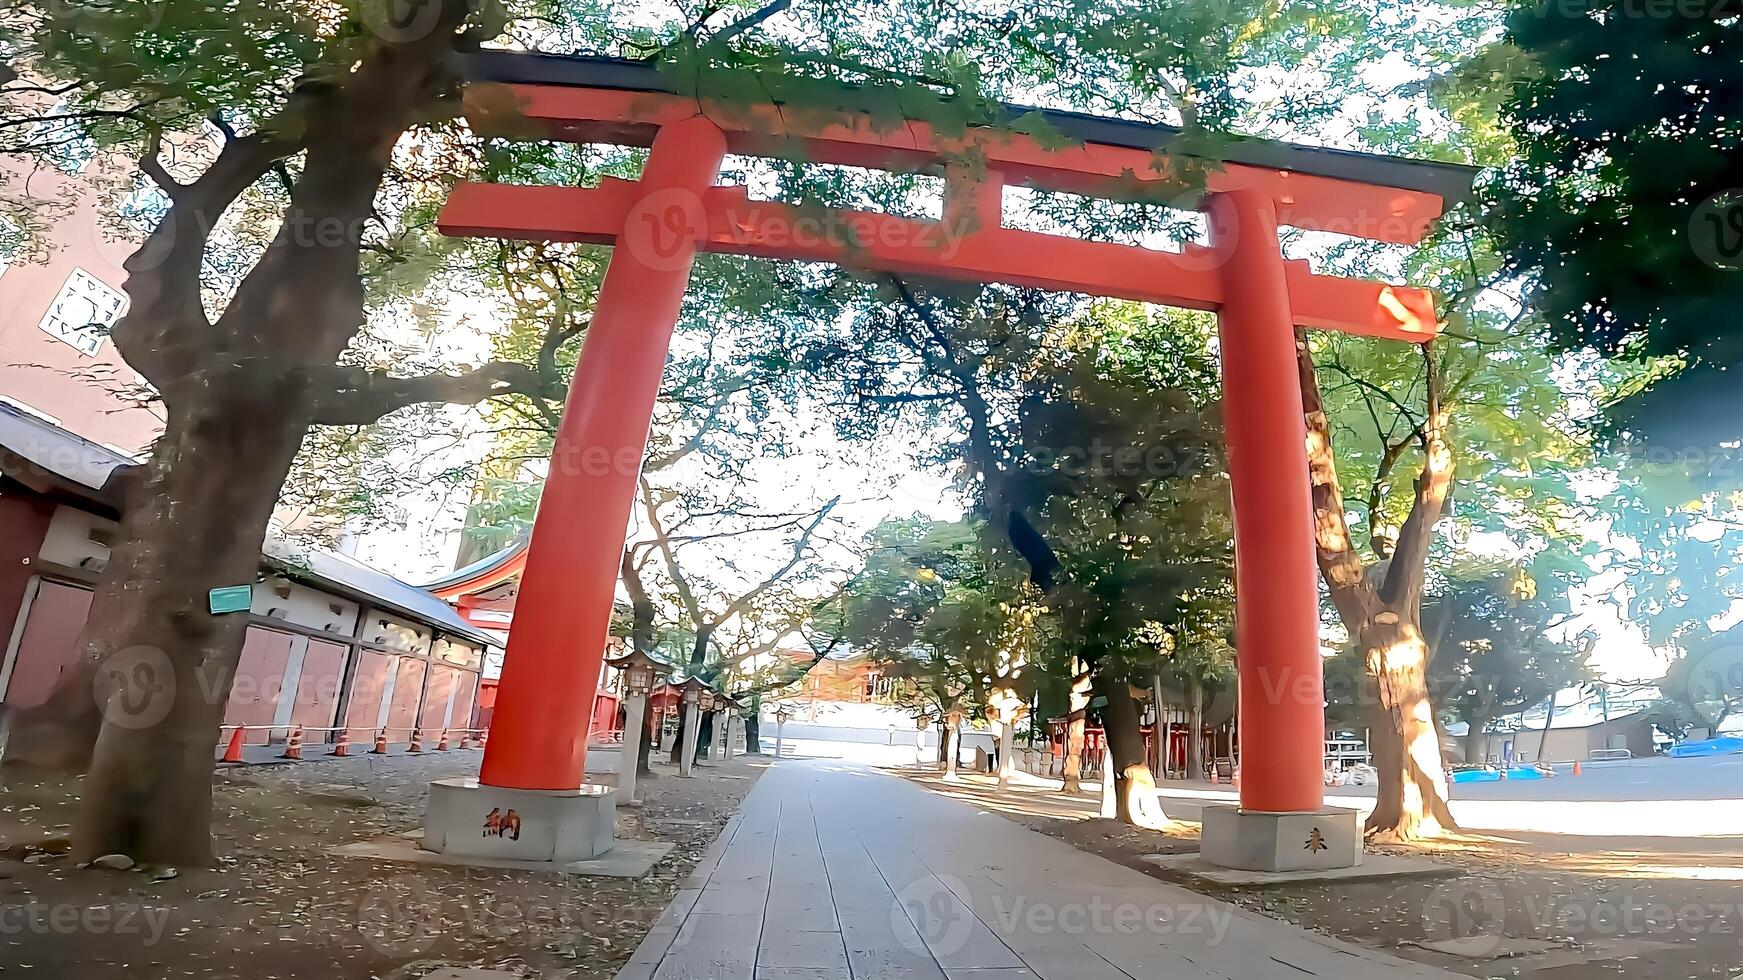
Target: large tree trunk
(1134,783)
(1006,762)
(1476,740)
(753,724)
(1195,731)
(705,737)
(1074,725)
(642,609)
(145,701)
(1412,799)
(698,657)
(155,666)
(677,752)
(650,726)
(1381,606)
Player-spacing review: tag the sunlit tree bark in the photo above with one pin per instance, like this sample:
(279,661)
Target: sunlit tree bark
(1382,609)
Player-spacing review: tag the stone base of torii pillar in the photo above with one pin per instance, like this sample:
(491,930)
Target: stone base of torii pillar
(561,826)
(1251,841)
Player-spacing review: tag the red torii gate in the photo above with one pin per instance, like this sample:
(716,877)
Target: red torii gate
(661,221)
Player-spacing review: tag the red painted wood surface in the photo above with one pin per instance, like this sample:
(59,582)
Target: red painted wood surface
(1276,580)
(25,518)
(363,714)
(434,715)
(408,690)
(726,220)
(318,689)
(551,670)
(576,114)
(466,686)
(259,681)
(604,714)
(50,642)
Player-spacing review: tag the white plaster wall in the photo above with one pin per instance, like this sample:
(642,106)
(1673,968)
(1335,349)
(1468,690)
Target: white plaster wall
(68,541)
(452,651)
(304,606)
(395,633)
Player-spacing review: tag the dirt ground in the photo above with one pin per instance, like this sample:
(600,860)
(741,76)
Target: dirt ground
(1528,906)
(277,906)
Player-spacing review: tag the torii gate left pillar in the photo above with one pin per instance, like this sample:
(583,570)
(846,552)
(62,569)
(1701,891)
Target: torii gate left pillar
(535,760)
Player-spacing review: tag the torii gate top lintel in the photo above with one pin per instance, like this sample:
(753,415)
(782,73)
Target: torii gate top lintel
(627,103)
(675,210)
(607,100)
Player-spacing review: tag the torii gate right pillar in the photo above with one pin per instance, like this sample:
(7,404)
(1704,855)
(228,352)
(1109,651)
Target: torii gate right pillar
(1282,823)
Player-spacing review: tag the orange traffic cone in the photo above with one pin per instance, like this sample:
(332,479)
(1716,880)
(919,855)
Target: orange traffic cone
(417,741)
(380,743)
(1577,770)
(442,743)
(342,747)
(293,747)
(233,752)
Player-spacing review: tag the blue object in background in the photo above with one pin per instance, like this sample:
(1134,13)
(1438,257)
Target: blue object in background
(1710,747)
(1492,775)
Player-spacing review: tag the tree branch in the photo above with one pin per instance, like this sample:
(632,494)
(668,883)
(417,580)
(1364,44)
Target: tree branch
(799,548)
(1377,490)
(745,23)
(153,167)
(1340,565)
(356,396)
(165,334)
(663,540)
(1405,578)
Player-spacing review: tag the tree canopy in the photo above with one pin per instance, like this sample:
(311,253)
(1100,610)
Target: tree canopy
(1621,203)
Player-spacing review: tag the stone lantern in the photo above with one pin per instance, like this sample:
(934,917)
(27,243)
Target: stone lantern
(641,674)
(781,715)
(952,736)
(698,697)
(1004,707)
(725,710)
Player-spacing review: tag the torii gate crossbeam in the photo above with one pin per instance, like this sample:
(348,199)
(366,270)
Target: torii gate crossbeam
(675,209)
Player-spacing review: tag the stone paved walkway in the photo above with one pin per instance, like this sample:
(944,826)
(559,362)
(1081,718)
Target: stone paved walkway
(834,871)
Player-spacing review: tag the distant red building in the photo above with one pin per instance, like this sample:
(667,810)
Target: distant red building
(484,593)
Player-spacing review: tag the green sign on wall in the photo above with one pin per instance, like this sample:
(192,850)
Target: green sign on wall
(235,598)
